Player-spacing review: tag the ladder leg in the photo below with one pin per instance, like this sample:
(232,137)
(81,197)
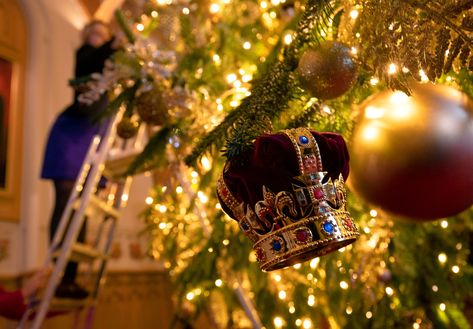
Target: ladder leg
(58,270)
(121,189)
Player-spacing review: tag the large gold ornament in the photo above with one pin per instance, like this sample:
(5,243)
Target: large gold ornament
(413,155)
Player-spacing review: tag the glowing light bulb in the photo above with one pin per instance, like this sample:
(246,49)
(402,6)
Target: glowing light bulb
(442,307)
(374,81)
(373,213)
(278,322)
(190,296)
(343,285)
(186,11)
(288,39)
(455,269)
(282,295)
(154,14)
(389,291)
(179,189)
(149,200)
(435,288)
(354,14)
(297,266)
(442,258)
(369,315)
(246,45)
(277,278)
(326,109)
(214,8)
(444,224)
(205,162)
(140,27)
(314,262)
(307,324)
(311,300)
(392,68)
(218,283)
(163,209)
(231,77)
(246,78)
(349,310)
(423,76)
(216,58)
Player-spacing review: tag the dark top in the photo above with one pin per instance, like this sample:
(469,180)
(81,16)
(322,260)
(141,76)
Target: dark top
(73,130)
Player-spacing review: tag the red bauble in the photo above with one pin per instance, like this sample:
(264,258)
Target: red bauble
(327,71)
(413,156)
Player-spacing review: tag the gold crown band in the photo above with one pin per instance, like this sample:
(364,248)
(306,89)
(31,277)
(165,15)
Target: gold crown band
(306,239)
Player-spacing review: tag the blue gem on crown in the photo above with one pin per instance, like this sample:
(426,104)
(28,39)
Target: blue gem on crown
(328,227)
(276,245)
(303,139)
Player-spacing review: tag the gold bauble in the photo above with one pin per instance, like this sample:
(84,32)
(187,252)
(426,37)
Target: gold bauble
(327,71)
(127,128)
(413,155)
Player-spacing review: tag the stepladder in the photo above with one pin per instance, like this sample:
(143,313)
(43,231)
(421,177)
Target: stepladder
(99,192)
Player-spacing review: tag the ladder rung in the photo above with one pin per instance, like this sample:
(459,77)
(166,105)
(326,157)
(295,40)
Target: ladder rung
(97,204)
(101,205)
(82,253)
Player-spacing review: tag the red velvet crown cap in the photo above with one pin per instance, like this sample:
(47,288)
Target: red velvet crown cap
(273,163)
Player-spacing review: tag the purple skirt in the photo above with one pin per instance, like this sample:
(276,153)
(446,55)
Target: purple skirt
(67,145)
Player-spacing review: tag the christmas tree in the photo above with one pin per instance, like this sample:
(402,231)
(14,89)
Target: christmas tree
(210,77)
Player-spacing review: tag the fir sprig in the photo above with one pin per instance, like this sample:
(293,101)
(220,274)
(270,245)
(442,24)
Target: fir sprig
(153,155)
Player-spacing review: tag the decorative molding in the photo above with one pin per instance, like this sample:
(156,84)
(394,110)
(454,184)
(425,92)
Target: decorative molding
(13,49)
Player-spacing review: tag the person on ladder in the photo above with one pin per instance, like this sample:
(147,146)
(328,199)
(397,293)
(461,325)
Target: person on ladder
(71,135)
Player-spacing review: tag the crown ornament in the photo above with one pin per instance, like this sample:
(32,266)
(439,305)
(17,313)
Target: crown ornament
(288,198)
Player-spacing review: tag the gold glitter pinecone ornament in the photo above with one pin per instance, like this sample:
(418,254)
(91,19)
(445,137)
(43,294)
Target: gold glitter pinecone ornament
(152,108)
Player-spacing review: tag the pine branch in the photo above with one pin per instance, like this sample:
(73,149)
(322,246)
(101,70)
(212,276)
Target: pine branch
(153,154)
(126,96)
(441,20)
(268,98)
(124,26)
